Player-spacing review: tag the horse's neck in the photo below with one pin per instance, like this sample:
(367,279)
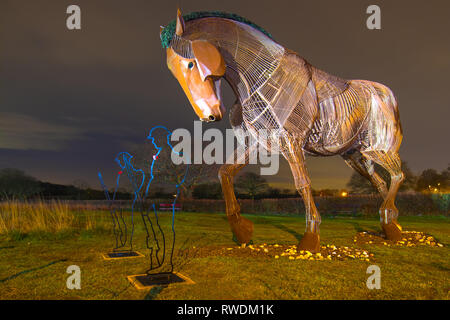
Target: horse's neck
(251,64)
(270,87)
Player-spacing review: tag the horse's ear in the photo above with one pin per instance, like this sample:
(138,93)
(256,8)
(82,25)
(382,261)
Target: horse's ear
(209,60)
(180,24)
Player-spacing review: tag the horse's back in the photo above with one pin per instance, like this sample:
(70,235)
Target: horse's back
(326,84)
(341,118)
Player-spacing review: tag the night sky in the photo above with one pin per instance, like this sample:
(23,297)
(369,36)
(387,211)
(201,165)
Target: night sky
(71,100)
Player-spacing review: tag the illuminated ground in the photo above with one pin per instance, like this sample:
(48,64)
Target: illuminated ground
(221,270)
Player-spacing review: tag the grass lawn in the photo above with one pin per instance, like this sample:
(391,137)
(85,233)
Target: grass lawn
(34,266)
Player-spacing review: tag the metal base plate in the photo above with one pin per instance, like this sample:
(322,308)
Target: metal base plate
(146,281)
(121,255)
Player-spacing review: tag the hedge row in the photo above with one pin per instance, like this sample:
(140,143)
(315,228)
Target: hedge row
(366,205)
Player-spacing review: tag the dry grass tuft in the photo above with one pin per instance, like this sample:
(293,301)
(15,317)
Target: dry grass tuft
(53,216)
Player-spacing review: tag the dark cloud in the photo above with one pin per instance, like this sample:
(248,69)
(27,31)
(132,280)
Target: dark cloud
(25,133)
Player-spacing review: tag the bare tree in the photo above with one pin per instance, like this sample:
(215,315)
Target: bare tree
(166,173)
(80,184)
(15,183)
(431,180)
(251,184)
(360,184)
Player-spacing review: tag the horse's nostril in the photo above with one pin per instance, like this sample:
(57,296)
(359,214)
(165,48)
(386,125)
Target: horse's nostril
(211,118)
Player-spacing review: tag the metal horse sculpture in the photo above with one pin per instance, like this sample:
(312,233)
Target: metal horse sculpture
(306,110)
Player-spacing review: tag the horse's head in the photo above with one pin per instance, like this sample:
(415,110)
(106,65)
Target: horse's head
(198,66)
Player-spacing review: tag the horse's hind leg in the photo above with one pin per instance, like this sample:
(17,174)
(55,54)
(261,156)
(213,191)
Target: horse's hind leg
(389,160)
(365,168)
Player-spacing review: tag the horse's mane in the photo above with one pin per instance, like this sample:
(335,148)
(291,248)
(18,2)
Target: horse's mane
(169,30)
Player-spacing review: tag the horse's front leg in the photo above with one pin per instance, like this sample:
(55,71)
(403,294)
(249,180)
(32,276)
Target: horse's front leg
(241,227)
(311,238)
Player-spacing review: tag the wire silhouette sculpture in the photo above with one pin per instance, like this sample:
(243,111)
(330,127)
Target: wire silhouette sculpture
(138,180)
(288,106)
(123,159)
(119,224)
(145,216)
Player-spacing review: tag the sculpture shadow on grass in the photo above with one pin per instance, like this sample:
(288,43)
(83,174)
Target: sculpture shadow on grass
(154,292)
(357,227)
(282,227)
(371,231)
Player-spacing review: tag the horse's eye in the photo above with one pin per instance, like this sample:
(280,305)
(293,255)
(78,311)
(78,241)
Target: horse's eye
(190,65)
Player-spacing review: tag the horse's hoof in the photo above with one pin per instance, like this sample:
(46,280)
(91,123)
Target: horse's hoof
(310,242)
(242,229)
(392,230)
